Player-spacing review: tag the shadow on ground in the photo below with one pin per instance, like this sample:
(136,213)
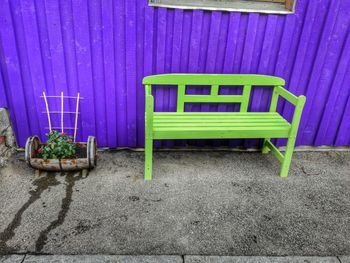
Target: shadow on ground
(201,203)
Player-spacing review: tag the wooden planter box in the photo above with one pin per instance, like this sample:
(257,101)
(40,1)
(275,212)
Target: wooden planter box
(86,158)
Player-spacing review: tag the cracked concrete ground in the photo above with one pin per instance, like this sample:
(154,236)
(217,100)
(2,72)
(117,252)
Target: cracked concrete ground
(199,203)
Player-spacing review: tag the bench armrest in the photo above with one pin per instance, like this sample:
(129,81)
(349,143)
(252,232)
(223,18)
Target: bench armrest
(287,95)
(298,102)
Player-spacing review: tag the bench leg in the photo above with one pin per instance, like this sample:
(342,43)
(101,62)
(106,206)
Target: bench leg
(287,157)
(148,159)
(265,148)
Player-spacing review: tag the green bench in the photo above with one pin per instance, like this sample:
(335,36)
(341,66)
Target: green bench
(221,125)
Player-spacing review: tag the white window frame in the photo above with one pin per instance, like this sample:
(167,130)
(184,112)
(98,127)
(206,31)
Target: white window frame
(249,6)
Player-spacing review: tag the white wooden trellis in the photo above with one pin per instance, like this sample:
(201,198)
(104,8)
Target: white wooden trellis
(62,112)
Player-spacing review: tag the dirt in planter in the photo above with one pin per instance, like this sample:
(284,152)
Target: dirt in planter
(80,152)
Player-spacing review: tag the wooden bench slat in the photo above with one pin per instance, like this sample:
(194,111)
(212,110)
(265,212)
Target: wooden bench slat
(233,119)
(213,98)
(214,79)
(217,113)
(238,117)
(220,125)
(213,128)
(216,119)
(220,134)
(236,121)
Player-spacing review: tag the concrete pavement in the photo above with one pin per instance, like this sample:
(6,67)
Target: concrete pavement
(199,203)
(165,259)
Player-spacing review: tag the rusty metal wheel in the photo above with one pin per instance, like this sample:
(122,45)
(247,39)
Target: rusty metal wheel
(91,151)
(32,146)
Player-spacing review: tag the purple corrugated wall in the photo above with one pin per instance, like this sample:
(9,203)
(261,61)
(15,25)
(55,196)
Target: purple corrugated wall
(3,99)
(104,48)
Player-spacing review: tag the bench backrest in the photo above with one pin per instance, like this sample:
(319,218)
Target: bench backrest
(213,80)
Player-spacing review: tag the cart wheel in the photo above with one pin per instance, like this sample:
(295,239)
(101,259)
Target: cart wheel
(91,152)
(32,146)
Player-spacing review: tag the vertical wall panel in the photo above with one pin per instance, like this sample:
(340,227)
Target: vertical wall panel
(140,102)
(11,73)
(130,68)
(84,67)
(3,98)
(109,71)
(102,49)
(120,57)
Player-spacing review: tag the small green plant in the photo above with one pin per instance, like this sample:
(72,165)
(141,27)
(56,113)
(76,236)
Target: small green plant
(58,146)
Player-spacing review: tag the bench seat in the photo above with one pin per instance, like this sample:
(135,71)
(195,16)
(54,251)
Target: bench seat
(219,125)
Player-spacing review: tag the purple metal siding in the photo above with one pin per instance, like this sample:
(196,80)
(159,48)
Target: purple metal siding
(3,100)
(104,48)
